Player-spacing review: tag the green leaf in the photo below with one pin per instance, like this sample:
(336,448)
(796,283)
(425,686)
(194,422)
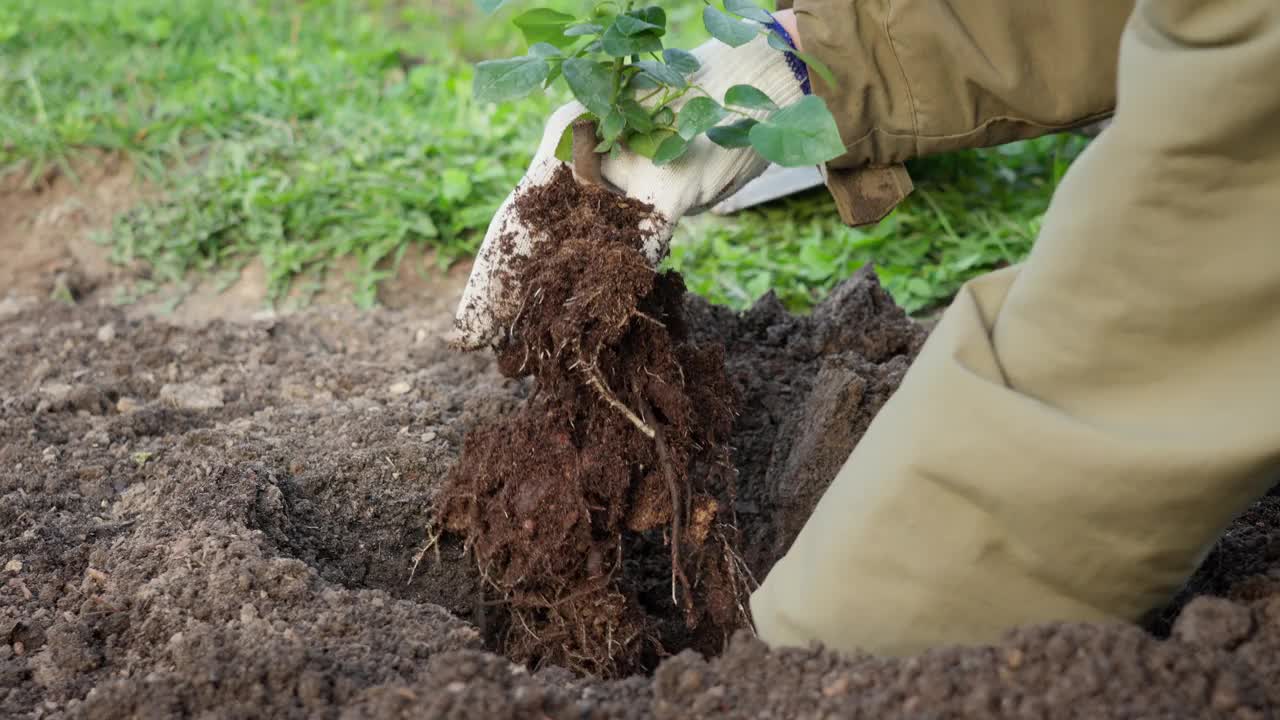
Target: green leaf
(617,44)
(777,42)
(699,115)
(591,82)
(734,135)
(641,81)
(543,25)
(681,61)
(653,15)
(664,116)
(455,184)
(498,80)
(746,96)
(556,68)
(612,125)
(637,117)
(583,29)
(801,134)
(919,287)
(662,73)
(629,24)
(670,149)
(564,148)
(489,6)
(748,10)
(646,144)
(728,30)
(552,54)
(817,66)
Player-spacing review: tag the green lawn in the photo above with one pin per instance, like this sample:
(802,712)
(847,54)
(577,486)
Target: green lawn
(970,212)
(305,131)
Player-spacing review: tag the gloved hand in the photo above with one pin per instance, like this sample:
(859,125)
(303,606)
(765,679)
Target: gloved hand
(702,177)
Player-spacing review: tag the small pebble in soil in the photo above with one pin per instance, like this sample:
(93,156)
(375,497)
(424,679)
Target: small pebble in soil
(1214,622)
(190,396)
(55,391)
(836,686)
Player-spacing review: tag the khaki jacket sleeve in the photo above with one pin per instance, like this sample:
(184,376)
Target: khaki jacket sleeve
(920,77)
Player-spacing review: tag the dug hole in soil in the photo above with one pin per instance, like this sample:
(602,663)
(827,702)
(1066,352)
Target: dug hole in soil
(300,517)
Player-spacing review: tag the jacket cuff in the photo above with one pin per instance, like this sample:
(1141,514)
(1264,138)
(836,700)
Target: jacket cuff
(866,195)
(920,77)
(869,180)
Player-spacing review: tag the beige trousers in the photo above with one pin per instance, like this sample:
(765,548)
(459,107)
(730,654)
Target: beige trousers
(1079,429)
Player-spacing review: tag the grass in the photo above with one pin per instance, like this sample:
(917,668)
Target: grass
(297,133)
(292,132)
(971,212)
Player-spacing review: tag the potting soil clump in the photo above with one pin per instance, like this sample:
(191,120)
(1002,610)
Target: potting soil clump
(600,514)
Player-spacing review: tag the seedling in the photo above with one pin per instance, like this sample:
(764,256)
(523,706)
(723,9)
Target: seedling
(635,89)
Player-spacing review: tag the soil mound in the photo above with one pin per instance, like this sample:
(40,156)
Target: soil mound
(223,522)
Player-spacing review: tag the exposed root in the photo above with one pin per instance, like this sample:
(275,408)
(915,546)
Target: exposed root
(740,576)
(678,577)
(593,377)
(648,318)
(434,531)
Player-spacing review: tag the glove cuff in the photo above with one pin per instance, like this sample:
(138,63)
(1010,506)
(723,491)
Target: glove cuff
(798,66)
(757,63)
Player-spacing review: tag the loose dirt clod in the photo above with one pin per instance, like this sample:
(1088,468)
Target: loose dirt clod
(622,449)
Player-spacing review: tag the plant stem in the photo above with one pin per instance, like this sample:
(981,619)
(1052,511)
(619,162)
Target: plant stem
(646,97)
(620,63)
(617,79)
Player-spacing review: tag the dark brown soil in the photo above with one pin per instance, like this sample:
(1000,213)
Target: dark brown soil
(223,521)
(622,451)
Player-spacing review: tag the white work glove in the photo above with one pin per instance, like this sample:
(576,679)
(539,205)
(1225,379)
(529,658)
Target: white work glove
(703,176)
